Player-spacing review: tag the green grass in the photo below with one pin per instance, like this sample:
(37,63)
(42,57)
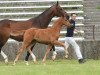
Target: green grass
(58,67)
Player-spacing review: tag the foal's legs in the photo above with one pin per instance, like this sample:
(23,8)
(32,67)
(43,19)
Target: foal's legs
(30,51)
(54,53)
(20,51)
(28,54)
(63,45)
(47,51)
(18,54)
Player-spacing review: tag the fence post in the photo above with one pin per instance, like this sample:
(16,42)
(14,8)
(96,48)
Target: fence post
(93,32)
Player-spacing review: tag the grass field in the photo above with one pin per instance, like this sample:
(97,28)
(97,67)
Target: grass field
(58,67)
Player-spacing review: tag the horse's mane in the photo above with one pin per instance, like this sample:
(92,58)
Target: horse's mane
(43,12)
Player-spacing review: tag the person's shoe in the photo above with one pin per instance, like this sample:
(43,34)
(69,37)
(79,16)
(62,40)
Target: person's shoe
(81,61)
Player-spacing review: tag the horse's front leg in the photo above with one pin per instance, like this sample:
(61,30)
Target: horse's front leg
(63,45)
(47,51)
(54,53)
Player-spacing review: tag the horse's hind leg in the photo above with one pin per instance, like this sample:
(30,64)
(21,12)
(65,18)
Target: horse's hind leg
(18,54)
(28,54)
(63,45)
(47,51)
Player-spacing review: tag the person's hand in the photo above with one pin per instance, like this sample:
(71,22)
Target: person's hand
(76,31)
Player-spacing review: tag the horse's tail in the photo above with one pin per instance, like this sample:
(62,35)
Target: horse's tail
(17,33)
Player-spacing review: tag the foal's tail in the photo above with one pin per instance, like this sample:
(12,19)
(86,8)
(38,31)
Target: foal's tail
(17,33)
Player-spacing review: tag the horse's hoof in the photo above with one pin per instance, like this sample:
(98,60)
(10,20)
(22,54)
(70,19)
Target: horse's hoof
(53,57)
(66,56)
(34,61)
(6,60)
(44,64)
(26,62)
(43,61)
(14,64)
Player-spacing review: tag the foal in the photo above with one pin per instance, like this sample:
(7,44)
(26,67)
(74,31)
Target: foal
(47,36)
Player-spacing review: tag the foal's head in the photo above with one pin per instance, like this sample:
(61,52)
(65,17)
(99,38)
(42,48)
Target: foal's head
(65,21)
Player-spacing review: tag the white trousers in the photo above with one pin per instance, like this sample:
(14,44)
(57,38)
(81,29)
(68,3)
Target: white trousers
(71,41)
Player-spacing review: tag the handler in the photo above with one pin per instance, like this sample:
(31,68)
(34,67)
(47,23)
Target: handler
(69,40)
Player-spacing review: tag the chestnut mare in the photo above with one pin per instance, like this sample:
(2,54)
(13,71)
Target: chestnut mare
(41,21)
(33,35)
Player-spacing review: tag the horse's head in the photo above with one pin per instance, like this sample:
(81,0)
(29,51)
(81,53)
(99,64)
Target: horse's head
(59,11)
(65,21)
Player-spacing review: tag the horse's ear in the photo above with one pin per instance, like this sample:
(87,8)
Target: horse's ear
(57,3)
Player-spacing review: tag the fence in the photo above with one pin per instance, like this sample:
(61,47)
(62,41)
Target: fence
(90,49)
(83,29)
